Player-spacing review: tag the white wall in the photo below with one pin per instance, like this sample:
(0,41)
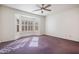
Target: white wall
(64,24)
(7,22)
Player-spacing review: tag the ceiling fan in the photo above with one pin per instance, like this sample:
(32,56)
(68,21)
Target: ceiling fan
(44,7)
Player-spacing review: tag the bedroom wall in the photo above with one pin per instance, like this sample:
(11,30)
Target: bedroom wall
(7,22)
(64,24)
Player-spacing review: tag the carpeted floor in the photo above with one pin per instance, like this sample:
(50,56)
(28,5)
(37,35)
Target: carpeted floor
(43,44)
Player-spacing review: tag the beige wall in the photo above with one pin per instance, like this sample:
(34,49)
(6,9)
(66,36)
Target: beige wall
(7,22)
(64,24)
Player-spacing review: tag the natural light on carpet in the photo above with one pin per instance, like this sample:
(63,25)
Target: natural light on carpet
(34,42)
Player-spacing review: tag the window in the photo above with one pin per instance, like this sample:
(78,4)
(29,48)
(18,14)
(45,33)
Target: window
(26,24)
(17,28)
(17,25)
(22,25)
(31,25)
(17,21)
(36,26)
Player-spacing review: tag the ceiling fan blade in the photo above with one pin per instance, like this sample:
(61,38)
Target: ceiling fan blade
(48,9)
(47,6)
(37,10)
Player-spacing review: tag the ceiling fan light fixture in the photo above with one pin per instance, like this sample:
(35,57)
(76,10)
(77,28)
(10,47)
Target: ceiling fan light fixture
(44,7)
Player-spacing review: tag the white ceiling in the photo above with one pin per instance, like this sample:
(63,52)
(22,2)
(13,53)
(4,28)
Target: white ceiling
(31,7)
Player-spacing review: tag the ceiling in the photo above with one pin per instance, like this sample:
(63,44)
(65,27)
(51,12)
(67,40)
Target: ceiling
(31,7)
